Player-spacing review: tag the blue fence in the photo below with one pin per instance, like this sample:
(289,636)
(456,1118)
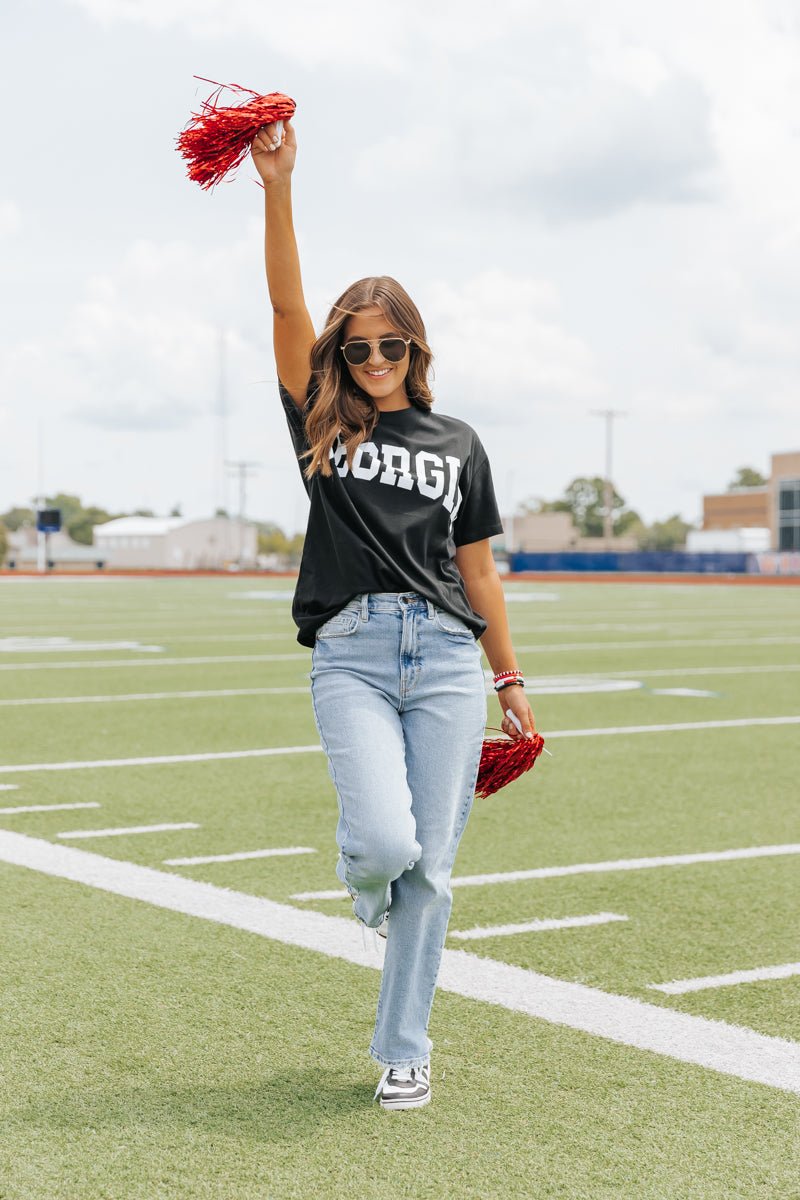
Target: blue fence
(655,561)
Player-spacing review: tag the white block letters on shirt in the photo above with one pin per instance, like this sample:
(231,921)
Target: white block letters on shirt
(429,474)
(434,486)
(453,465)
(397,453)
(366,472)
(339,456)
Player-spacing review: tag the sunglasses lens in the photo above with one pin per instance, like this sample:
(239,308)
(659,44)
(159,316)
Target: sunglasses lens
(357,353)
(392,349)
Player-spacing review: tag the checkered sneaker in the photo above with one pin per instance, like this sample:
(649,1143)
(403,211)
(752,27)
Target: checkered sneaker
(404,1087)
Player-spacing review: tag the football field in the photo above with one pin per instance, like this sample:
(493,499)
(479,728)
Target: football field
(187,1001)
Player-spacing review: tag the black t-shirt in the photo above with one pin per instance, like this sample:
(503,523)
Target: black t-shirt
(420,487)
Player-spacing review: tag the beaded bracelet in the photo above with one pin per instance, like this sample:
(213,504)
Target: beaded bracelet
(507,674)
(499,687)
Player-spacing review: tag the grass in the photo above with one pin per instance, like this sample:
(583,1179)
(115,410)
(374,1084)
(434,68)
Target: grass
(149,1054)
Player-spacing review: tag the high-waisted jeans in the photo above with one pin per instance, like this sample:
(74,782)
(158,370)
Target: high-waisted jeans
(400,704)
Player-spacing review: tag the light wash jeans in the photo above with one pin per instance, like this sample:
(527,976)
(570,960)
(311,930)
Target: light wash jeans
(400,704)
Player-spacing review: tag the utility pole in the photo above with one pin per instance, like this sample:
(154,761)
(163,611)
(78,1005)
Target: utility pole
(221,439)
(608,487)
(243,470)
(41,536)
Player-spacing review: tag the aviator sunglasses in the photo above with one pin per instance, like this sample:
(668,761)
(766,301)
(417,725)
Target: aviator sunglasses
(391,348)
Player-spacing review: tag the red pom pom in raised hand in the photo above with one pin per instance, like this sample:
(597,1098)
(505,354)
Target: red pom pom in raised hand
(504,759)
(219,137)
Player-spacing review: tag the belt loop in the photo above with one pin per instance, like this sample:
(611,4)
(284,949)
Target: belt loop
(430,609)
(365,606)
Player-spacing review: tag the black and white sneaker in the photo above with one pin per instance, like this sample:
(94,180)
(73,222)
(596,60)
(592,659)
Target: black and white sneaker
(404,1087)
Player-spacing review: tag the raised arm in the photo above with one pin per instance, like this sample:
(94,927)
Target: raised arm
(293,330)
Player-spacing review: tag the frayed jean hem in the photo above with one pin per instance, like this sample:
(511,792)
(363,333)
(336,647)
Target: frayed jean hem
(407,1063)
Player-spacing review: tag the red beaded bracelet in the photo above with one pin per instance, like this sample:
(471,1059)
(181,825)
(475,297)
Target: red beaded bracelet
(498,687)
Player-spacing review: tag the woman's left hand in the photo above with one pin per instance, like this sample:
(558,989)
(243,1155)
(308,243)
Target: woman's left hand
(514,698)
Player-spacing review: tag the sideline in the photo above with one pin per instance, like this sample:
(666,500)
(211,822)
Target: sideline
(728,1049)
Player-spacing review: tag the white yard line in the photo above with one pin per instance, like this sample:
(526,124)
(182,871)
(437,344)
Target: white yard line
(644,672)
(65,645)
(592,868)
(677,727)
(670,644)
(205,660)
(327,894)
(540,926)
(602,731)
(215,858)
(159,759)
(679,986)
(134,696)
(93,833)
(729,1049)
(9,787)
(29,808)
(541,685)
(543,648)
(682,691)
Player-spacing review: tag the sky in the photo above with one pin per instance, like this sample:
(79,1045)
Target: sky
(594,206)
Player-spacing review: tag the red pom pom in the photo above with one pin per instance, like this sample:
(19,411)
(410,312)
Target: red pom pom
(504,760)
(218,138)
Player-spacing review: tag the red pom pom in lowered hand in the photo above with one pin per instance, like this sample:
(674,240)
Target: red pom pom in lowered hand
(504,759)
(218,138)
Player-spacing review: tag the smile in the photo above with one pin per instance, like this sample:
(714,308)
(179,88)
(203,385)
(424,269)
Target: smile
(379,374)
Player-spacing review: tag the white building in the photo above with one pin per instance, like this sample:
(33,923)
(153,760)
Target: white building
(176,544)
(746,539)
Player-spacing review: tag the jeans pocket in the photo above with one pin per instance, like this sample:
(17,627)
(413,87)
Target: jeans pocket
(342,624)
(452,625)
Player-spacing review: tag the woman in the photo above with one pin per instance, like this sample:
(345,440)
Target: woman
(397,583)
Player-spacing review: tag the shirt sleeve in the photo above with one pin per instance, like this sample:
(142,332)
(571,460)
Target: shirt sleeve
(478,517)
(295,419)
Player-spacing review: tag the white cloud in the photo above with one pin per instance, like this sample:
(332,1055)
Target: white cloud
(126,390)
(10,218)
(502,350)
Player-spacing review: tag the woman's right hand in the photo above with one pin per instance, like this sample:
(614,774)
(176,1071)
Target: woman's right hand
(274,160)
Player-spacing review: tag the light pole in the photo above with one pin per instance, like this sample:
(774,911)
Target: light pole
(243,470)
(608,487)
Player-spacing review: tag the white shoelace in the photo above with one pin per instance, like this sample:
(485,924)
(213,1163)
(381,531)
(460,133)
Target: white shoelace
(402,1075)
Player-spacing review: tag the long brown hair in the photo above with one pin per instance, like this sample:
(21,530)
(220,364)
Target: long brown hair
(341,407)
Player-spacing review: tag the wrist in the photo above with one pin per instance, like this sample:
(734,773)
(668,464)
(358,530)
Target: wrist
(281,183)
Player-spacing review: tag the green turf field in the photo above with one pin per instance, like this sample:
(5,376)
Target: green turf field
(151,1049)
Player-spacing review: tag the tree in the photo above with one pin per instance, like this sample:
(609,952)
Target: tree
(747,477)
(664,535)
(81,527)
(273,541)
(176,510)
(16,517)
(296,547)
(584,499)
(77,520)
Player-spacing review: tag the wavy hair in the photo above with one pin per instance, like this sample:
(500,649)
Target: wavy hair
(341,407)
